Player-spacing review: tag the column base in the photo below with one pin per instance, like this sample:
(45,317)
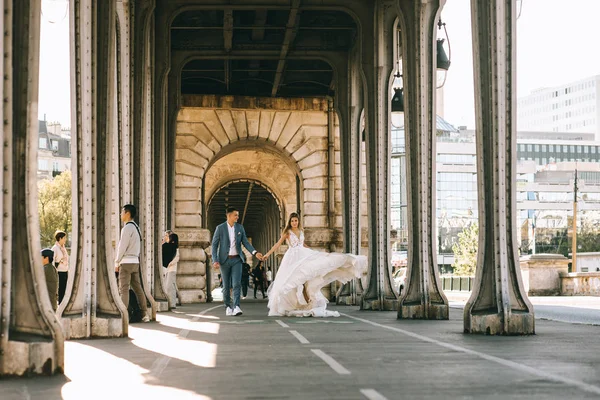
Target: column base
(104,326)
(423,311)
(345,301)
(30,355)
(192,296)
(162,305)
(376,305)
(520,323)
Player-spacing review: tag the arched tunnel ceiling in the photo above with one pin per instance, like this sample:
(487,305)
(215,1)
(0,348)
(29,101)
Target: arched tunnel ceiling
(236,194)
(251,52)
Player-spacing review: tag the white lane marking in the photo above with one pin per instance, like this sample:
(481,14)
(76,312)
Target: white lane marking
(159,365)
(301,338)
(511,364)
(185,332)
(336,366)
(372,394)
(283,324)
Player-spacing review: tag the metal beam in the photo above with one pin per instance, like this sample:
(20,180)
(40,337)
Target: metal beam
(228,29)
(258,31)
(227,73)
(247,201)
(290,34)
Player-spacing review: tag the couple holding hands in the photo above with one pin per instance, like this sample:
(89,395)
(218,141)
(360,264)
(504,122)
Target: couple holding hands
(296,290)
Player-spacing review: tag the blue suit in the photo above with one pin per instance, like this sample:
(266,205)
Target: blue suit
(231,268)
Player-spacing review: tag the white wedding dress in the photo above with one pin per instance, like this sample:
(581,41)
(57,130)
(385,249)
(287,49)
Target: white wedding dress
(303,267)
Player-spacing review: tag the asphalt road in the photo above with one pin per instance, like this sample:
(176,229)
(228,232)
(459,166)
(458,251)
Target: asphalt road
(199,353)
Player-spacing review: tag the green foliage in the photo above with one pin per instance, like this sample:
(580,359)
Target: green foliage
(465,251)
(54,207)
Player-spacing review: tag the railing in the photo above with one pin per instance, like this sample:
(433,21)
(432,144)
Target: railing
(458,283)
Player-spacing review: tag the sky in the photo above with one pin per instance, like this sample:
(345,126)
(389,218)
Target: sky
(55,63)
(555,45)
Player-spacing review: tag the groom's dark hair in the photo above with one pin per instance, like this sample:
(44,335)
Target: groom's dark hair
(230,210)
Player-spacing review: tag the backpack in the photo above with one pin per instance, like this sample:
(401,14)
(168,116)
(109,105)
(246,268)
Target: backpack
(134,310)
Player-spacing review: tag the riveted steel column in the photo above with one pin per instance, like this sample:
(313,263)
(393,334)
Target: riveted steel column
(150,265)
(124,101)
(349,106)
(93,307)
(377,66)
(498,304)
(31,339)
(163,167)
(423,297)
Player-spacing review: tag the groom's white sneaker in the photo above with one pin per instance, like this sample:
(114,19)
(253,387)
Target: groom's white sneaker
(229,312)
(237,311)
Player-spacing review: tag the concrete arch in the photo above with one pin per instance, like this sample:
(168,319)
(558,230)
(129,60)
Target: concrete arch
(206,135)
(264,168)
(250,180)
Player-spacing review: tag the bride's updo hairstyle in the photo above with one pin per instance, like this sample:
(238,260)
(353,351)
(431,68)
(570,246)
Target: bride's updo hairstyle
(289,224)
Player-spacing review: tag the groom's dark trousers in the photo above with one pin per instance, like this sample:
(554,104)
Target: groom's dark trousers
(231,271)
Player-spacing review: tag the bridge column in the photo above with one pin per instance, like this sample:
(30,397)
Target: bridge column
(422,297)
(349,107)
(144,183)
(377,66)
(31,339)
(498,304)
(93,307)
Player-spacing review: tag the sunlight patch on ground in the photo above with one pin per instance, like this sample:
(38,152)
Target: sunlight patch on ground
(96,374)
(180,323)
(196,352)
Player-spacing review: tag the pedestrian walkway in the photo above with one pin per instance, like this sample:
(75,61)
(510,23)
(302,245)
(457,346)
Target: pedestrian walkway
(198,353)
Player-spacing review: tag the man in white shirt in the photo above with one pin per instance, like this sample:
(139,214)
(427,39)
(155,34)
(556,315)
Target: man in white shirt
(127,262)
(228,256)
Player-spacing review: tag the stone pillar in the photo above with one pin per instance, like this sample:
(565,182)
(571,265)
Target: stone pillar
(193,265)
(93,307)
(31,339)
(422,297)
(542,273)
(498,303)
(377,57)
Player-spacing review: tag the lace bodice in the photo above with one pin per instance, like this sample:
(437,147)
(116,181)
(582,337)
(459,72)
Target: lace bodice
(295,241)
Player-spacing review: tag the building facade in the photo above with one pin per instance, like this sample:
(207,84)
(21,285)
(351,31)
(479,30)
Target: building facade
(54,149)
(573,107)
(546,164)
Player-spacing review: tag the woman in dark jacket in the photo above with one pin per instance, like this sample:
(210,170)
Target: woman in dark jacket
(245,279)
(258,273)
(170,255)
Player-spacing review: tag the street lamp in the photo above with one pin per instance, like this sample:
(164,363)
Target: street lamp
(398,97)
(442,59)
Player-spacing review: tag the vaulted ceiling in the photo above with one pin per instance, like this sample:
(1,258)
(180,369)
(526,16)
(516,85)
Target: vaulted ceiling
(261,52)
(253,201)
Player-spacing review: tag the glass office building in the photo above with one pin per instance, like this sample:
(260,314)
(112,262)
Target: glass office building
(546,163)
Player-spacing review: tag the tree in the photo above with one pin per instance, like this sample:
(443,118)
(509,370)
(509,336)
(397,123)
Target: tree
(465,251)
(54,207)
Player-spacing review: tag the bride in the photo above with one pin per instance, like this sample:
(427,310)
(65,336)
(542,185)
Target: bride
(296,290)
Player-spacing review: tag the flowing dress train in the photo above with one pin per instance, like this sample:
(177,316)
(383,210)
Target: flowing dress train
(301,268)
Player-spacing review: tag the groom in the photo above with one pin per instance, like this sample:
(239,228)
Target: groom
(227,255)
